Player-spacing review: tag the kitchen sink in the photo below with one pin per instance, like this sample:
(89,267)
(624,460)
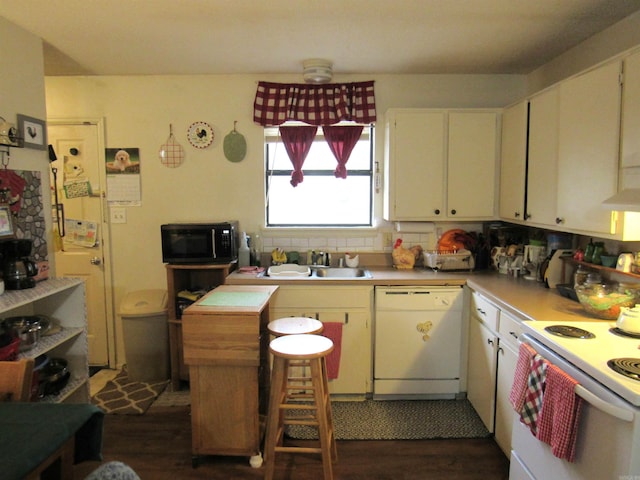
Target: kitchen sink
(342,273)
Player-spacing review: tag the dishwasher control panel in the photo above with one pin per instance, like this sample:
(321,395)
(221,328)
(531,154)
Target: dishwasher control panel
(418,298)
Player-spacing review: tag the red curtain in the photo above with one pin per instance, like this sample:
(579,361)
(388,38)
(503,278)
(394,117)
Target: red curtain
(297,142)
(327,104)
(341,141)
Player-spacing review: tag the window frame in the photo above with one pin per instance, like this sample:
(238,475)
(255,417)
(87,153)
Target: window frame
(367,131)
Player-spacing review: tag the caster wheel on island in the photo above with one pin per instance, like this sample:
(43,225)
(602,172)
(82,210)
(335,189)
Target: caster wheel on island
(256,461)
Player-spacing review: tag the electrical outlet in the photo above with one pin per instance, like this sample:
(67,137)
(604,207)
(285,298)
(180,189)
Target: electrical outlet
(387,239)
(118,215)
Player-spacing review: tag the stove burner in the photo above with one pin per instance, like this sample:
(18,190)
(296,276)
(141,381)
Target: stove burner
(629,367)
(622,333)
(569,331)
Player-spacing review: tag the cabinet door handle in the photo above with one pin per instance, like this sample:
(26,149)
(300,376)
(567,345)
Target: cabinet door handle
(559,220)
(346,317)
(453,211)
(437,211)
(480,311)
(514,335)
(489,341)
(516,214)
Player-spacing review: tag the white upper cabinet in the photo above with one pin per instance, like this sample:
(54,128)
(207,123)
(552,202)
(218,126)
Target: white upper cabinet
(414,164)
(542,169)
(440,165)
(588,139)
(631,112)
(471,166)
(513,166)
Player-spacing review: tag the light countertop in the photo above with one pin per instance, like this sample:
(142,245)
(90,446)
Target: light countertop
(527,299)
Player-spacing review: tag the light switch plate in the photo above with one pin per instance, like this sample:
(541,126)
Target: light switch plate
(118,215)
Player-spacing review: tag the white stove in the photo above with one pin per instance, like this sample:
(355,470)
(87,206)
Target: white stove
(610,407)
(591,355)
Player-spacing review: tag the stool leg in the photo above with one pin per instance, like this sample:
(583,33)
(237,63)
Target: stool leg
(325,380)
(325,435)
(274,430)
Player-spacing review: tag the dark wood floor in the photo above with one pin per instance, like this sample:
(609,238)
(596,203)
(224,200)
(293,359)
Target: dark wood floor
(158,446)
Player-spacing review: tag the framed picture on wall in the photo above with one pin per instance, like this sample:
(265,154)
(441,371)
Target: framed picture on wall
(33,131)
(6,222)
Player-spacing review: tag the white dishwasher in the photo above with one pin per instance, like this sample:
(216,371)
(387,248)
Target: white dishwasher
(418,342)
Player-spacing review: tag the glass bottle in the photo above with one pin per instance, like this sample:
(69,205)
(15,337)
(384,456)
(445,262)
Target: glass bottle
(598,250)
(588,251)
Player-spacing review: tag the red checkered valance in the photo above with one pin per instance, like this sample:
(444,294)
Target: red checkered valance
(318,105)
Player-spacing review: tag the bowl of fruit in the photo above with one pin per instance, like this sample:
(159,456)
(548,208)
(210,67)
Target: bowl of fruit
(605,301)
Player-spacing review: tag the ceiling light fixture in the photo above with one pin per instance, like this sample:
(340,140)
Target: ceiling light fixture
(317,70)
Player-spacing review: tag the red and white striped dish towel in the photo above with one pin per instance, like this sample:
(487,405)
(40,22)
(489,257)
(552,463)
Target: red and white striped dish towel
(560,414)
(523,367)
(333,331)
(535,391)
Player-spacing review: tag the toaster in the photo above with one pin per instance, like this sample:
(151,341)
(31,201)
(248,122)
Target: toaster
(449,261)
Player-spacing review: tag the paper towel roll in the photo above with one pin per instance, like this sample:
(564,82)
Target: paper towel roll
(416,227)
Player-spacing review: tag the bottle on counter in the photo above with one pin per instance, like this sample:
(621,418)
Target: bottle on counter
(256,250)
(244,254)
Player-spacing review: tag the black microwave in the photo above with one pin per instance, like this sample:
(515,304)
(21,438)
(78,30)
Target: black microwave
(199,242)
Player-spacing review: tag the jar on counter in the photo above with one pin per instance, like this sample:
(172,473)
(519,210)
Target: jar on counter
(580,277)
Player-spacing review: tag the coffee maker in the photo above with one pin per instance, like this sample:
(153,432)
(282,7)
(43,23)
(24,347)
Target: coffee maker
(18,269)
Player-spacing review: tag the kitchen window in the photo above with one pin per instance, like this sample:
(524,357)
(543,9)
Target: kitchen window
(321,199)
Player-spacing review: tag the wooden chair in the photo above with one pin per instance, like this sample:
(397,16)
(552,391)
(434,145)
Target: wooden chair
(15,380)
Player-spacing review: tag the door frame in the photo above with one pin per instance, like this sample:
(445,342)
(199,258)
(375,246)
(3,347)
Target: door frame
(106,230)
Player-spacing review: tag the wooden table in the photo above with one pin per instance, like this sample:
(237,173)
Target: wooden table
(48,437)
(226,344)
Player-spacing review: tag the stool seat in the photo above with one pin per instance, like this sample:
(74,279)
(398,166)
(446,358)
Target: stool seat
(301,346)
(294,326)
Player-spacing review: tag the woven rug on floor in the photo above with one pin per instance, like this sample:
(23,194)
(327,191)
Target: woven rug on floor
(126,397)
(168,398)
(399,420)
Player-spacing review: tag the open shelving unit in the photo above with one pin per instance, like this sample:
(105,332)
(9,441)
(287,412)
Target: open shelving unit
(62,299)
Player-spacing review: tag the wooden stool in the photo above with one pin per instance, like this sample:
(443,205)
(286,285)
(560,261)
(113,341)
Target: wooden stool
(285,402)
(294,326)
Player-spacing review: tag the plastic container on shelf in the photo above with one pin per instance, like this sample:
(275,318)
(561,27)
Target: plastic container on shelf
(146,335)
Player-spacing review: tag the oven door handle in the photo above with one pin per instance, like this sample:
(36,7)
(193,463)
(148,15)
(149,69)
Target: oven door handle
(613,410)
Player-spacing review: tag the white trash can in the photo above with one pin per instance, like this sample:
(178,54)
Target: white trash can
(146,335)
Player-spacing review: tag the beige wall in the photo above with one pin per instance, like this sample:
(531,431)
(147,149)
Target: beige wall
(138,111)
(22,91)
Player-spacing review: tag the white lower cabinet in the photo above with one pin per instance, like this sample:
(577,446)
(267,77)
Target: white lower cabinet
(493,354)
(482,370)
(508,332)
(349,305)
(63,300)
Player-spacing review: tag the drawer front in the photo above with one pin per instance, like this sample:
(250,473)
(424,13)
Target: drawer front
(485,311)
(309,298)
(510,329)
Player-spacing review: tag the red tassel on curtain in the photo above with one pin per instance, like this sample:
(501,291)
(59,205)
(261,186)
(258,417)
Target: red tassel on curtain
(297,142)
(341,140)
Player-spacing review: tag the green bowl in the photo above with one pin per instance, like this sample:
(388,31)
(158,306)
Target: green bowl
(609,260)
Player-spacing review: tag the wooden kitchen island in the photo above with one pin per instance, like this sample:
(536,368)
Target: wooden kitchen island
(226,347)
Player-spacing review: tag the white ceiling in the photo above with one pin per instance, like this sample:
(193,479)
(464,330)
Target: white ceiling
(149,37)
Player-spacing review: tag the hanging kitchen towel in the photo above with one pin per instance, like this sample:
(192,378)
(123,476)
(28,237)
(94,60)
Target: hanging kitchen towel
(560,414)
(333,331)
(523,367)
(533,396)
